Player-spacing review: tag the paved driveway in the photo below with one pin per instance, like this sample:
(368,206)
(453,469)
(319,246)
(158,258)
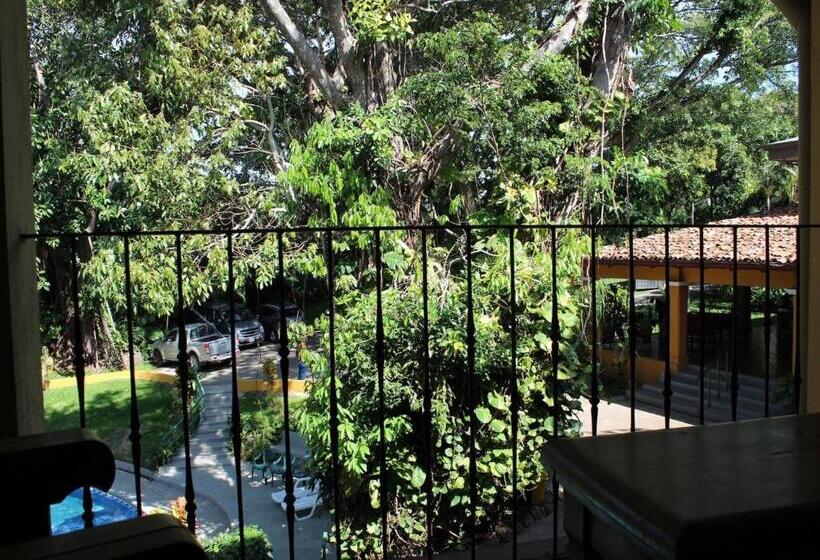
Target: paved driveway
(249,364)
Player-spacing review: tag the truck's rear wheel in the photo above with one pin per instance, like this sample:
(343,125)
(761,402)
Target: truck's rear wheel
(193,362)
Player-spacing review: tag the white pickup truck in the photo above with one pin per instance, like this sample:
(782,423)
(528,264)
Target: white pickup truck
(206,345)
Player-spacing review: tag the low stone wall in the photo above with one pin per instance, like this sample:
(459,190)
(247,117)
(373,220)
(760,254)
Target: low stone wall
(647,370)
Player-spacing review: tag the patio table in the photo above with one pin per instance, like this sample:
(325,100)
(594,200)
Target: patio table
(740,490)
(298,447)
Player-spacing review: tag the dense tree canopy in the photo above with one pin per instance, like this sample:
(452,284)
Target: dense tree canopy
(225,114)
(217,113)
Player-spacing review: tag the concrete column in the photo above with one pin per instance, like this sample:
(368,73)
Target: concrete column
(809,300)
(678,325)
(805,17)
(21,397)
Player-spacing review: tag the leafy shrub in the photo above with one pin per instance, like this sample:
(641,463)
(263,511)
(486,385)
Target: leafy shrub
(615,306)
(451,410)
(778,298)
(260,416)
(226,545)
(261,424)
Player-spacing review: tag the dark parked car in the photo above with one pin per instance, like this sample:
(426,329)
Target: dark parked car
(248,328)
(269,317)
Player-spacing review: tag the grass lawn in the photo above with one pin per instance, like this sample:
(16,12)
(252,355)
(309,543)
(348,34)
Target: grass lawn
(52,374)
(108,412)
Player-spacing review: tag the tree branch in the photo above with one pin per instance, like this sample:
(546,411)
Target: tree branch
(432,162)
(307,56)
(347,46)
(573,22)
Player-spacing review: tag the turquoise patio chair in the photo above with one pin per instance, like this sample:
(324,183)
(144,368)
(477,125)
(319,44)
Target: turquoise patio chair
(277,466)
(263,463)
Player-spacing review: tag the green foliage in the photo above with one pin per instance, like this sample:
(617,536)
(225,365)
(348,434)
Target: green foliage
(732,91)
(169,114)
(380,20)
(261,423)
(142,115)
(226,545)
(260,415)
(403,390)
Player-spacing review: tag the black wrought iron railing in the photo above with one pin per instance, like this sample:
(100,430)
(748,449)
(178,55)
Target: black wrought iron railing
(629,235)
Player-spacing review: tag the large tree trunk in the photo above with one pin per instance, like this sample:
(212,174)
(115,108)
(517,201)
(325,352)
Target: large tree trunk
(99,346)
(307,57)
(608,75)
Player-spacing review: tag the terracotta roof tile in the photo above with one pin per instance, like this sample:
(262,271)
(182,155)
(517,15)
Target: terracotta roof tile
(684,243)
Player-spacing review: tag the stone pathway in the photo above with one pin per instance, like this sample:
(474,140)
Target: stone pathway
(214,473)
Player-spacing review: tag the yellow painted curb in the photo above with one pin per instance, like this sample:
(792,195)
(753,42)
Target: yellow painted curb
(259,386)
(295,386)
(157,376)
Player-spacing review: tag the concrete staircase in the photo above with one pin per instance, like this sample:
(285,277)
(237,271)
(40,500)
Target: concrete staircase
(209,442)
(717,399)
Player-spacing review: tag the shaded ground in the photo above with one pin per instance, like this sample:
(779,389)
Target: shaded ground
(614,418)
(751,350)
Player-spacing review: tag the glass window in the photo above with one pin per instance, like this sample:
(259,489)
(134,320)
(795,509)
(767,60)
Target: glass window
(171,336)
(242,314)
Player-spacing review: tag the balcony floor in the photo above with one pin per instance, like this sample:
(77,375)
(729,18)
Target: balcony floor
(614,418)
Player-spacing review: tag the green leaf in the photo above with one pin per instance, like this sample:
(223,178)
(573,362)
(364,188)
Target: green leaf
(497,425)
(497,401)
(418,477)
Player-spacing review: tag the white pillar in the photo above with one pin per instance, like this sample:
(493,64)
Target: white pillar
(21,397)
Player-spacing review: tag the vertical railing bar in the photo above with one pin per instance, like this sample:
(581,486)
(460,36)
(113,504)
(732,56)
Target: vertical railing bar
(79,357)
(594,398)
(556,407)
(734,383)
(514,394)
(667,371)
(134,436)
(767,333)
(334,405)
(797,322)
(79,367)
(471,389)
(702,337)
(380,373)
(184,375)
(632,341)
(236,424)
(428,399)
(284,371)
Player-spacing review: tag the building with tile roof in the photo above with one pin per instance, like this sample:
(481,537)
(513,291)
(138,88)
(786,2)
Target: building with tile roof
(742,252)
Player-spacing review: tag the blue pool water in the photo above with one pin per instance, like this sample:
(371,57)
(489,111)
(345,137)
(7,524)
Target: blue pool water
(67,515)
